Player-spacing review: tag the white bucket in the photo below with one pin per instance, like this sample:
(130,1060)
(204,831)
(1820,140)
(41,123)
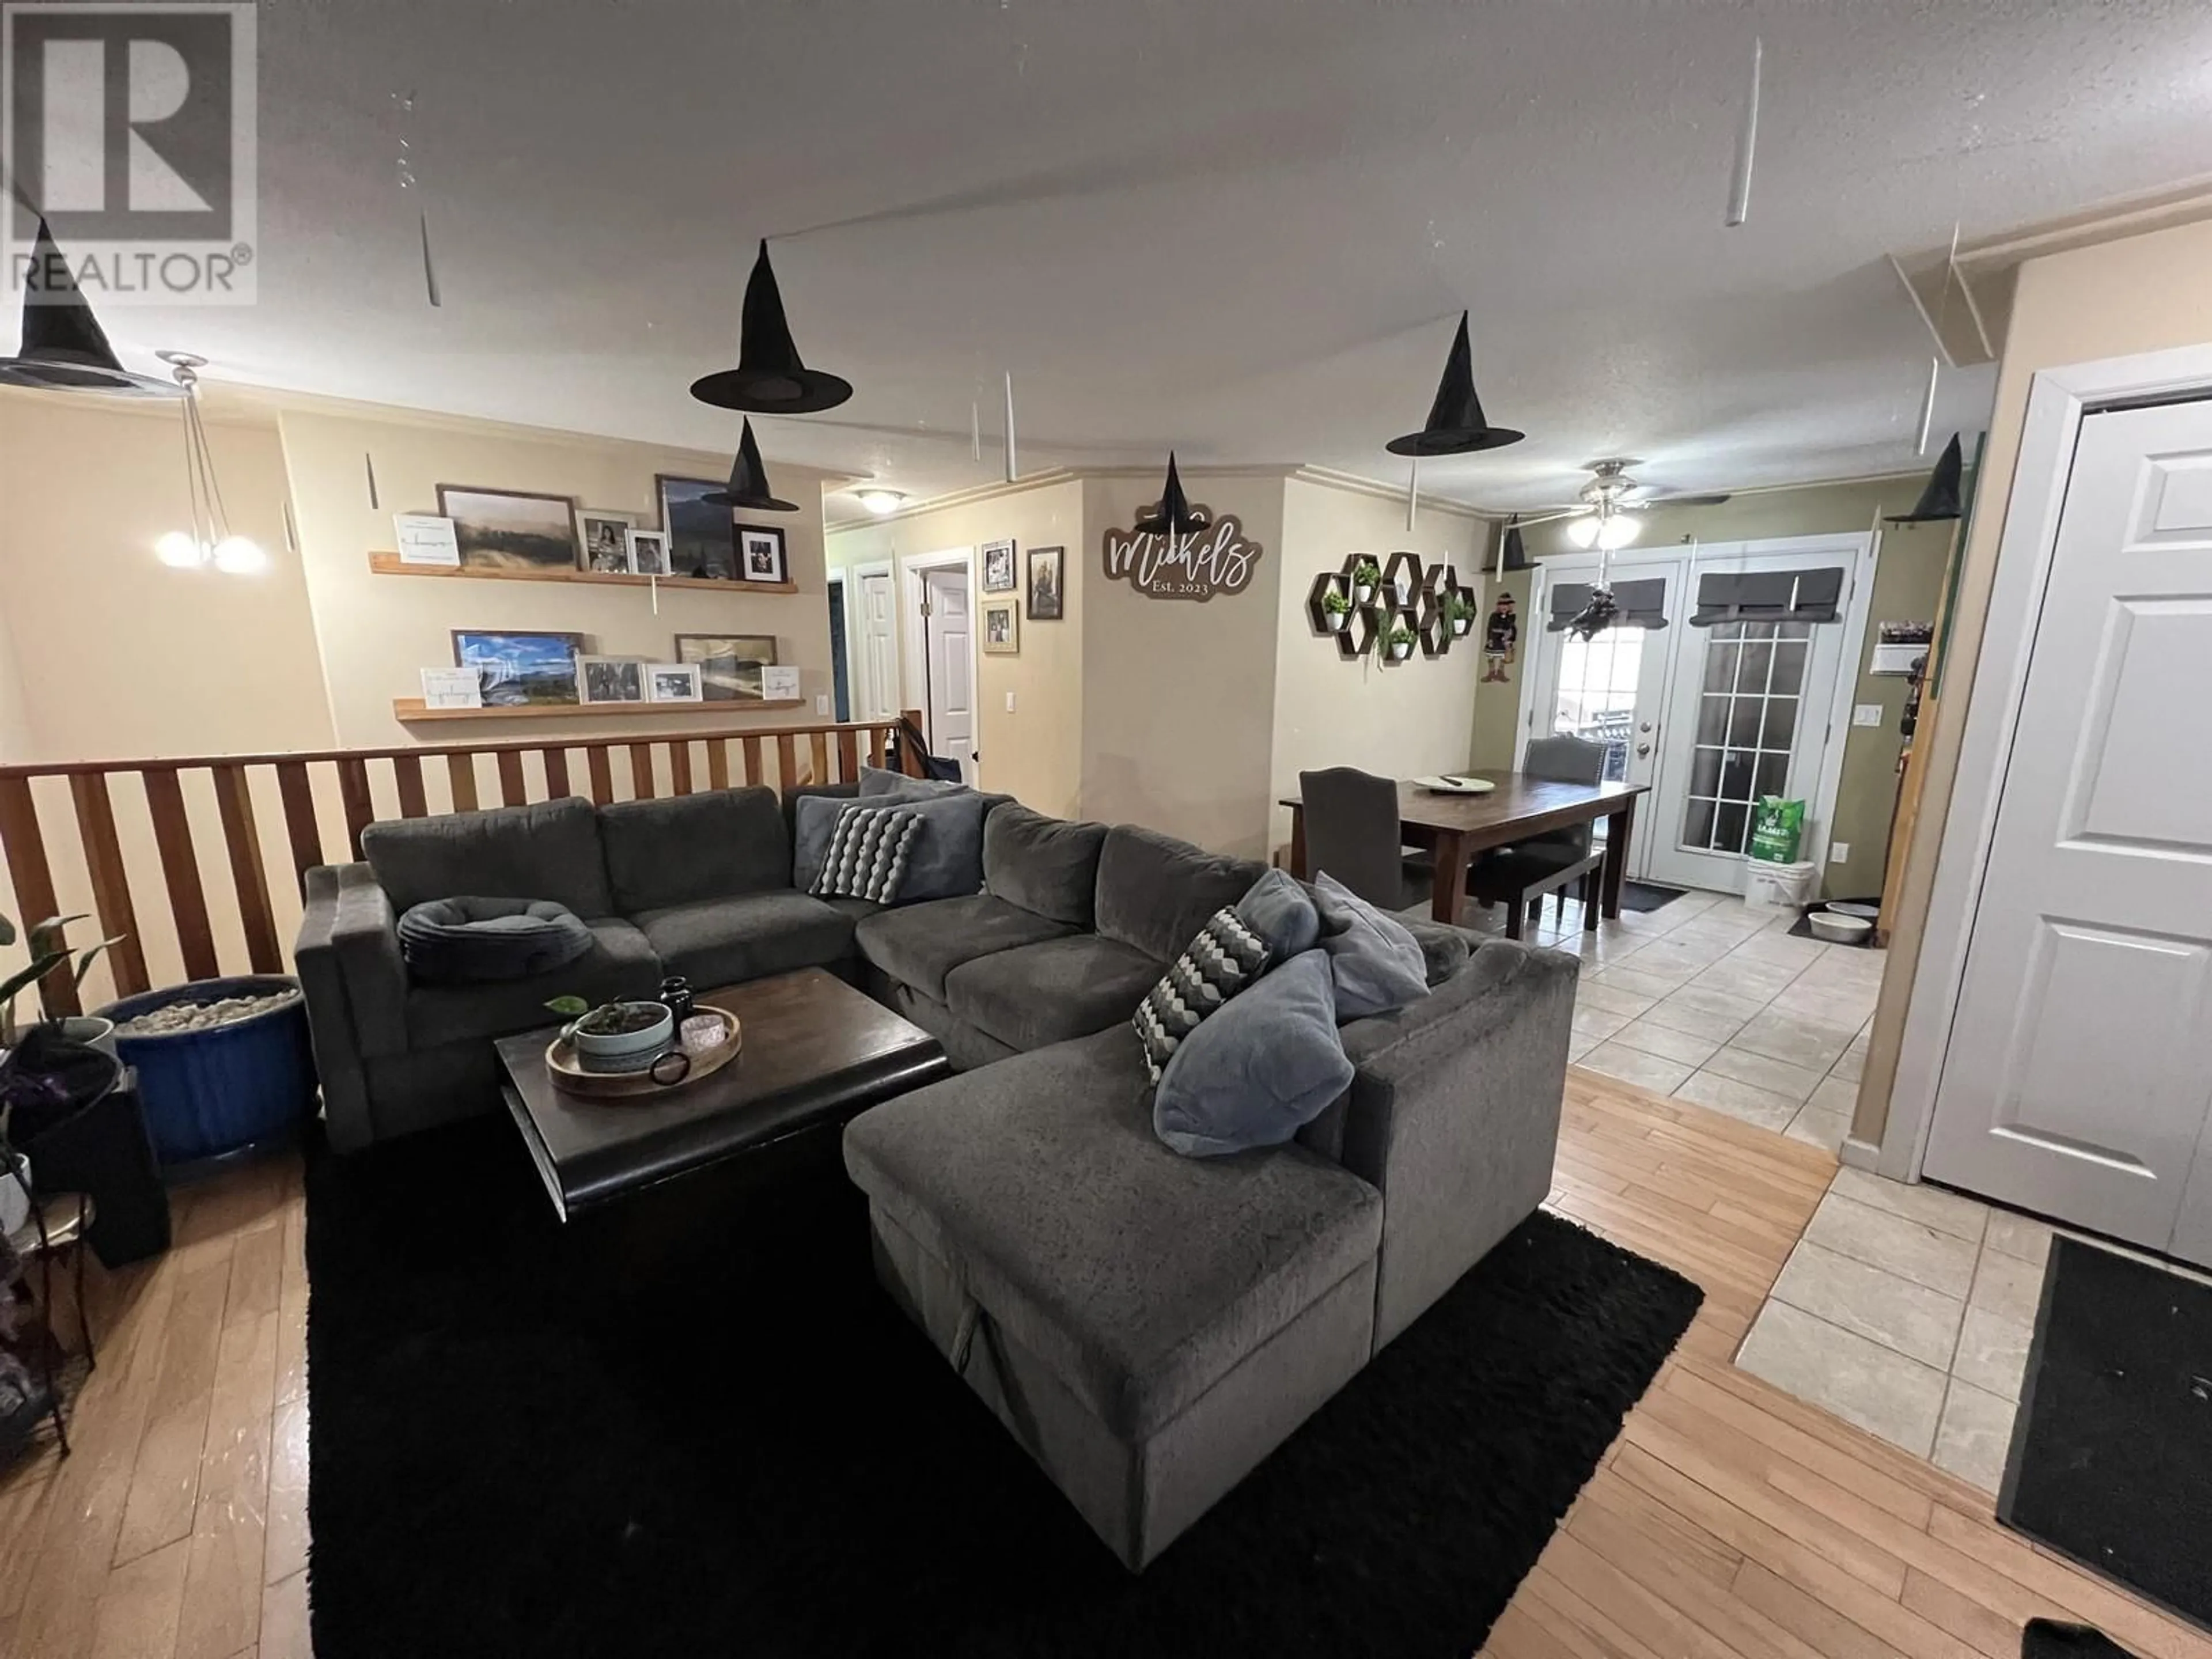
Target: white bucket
(1778,886)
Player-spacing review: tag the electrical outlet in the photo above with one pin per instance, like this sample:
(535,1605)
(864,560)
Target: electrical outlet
(1866,714)
(822,702)
(1010,702)
(1838,851)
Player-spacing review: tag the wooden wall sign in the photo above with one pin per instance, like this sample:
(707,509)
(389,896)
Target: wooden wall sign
(1216,557)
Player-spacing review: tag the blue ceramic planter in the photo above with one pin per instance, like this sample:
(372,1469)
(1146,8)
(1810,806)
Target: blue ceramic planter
(208,1093)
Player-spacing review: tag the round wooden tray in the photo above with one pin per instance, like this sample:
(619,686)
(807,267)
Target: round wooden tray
(615,1087)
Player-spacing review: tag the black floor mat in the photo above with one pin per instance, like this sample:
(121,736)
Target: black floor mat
(1642,895)
(2111,1452)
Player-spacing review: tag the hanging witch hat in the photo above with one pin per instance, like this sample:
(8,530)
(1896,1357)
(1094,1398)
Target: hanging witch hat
(1456,425)
(1175,514)
(65,349)
(769,379)
(1940,499)
(1511,555)
(749,485)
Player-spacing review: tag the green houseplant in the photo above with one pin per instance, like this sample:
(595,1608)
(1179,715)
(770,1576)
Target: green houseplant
(1366,577)
(1399,642)
(616,1036)
(49,950)
(1459,612)
(1336,608)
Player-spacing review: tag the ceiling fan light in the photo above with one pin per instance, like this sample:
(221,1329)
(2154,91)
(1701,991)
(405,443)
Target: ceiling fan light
(881,502)
(1615,531)
(1583,531)
(239,556)
(178,551)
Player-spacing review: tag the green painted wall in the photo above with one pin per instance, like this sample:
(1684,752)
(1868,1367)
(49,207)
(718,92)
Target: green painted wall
(1908,580)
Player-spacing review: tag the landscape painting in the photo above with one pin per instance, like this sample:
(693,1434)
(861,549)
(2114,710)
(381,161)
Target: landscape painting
(510,530)
(518,668)
(729,664)
(702,540)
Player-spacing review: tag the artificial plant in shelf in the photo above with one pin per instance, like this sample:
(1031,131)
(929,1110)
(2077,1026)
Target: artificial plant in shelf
(1338,610)
(1366,577)
(1399,642)
(1459,611)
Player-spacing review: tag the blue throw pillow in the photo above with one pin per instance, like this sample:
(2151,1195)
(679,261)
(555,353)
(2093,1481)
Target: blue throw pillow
(1259,1069)
(1279,911)
(876,784)
(1374,957)
(812,824)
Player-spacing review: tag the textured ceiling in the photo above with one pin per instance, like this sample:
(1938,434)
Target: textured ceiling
(1239,226)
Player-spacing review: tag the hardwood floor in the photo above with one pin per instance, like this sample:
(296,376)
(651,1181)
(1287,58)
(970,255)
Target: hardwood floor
(1729,1522)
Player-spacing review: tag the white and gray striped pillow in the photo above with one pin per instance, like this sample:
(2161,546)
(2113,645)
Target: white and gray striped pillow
(1224,958)
(866,858)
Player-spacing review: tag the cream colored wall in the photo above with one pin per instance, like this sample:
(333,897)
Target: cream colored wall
(1178,696)
(1400,721)
(2133,294)
(1033,752)
(376,632)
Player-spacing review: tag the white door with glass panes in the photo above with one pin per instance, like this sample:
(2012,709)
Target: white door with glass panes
(1609,688)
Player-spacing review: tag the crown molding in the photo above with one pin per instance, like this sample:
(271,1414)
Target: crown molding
(1353,484)
(990,492)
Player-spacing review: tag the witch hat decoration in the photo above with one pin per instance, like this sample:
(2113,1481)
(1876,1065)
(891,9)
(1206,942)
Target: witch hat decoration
(1512,556)
(65,349)
(1940,499)
(769,379)
(1456,425)
(1175,513)
(749,485)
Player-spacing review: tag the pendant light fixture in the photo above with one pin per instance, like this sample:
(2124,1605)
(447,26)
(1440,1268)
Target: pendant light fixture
(65,349)
(749,486)
(1456,424)
(210,542)
(770,378)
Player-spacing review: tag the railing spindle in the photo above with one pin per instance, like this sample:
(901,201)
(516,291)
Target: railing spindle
(180,873)
(641,771)
(679,766)
(718,764)
(353,794)
(35,884)
(407,774)
(848,757)
(111,883)
(603,774)
(461,779)
(234,799)
(512,790)
(752,751)
(787,762)
(556,772)
(297,791)
(820,745)
(875,746)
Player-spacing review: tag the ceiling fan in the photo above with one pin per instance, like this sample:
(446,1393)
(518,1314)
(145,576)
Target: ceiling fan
(1598,518)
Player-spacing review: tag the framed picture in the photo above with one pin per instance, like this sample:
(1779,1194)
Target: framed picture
(1048,571)
(511,529)
(672,682)
(998,567)
(729,664)
(610,679)
(516,666)
(702,541)
(647,552)
(760,554)
(1001,627)
(605,539)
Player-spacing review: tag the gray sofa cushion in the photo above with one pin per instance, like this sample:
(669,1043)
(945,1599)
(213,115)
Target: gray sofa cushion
(1155,892)
(947,859)
(919,944)
(878,784)
(1258,1071)
(725,941)
(1278,907)
(547,850)
(461,941)
(620,963)
(813,821)
(688,848)
(1378,963)
(1048,993)
(1046,864)
(1445,948)
(1139,1277)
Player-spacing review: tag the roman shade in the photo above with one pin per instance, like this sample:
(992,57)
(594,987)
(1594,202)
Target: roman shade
(1769,595)
(1643,604)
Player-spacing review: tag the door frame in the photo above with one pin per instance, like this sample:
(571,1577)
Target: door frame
(913,645)
(856,662)
(2057,399)
(1861,549)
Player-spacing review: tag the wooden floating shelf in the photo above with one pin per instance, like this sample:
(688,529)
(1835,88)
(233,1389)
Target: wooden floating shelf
(411,710)
(390,564)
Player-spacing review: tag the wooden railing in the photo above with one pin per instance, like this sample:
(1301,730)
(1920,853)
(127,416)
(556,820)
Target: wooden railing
(134,843)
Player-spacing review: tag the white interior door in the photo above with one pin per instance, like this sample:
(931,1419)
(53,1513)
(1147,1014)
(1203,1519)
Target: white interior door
(2078,1077)
(876,692)
(948,641)
(1748,715)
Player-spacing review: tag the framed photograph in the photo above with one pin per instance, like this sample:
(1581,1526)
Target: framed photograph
(511,529)
(516,667)
(672,682)
(1048,572)
(998,567)
(729,664)
(426,538)
(605,538)
(451,688)
(610,679)
(647,552)
(760,554)
(1001,627)
(701,538)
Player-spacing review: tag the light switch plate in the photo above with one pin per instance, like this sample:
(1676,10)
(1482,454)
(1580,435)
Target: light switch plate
(1838,851)
(1010,702)
(822,702)
(1866,714)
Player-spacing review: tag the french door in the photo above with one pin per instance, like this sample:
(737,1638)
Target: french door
(1610,688)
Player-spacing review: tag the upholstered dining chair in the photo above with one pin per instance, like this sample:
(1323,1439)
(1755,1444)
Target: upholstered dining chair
(1352,834)
(1508,872)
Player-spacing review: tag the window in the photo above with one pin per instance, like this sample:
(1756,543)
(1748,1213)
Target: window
(1747,711)
(1597,692)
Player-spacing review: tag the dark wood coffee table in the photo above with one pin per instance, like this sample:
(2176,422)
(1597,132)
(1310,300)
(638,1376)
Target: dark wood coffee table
(815,1052)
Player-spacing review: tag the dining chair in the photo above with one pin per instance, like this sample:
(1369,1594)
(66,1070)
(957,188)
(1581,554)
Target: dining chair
(1537,863)
(1352,834)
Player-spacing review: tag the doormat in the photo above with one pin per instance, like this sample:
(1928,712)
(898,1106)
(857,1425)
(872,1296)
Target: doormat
(1803,928)
(1641,895)
(2048,1638)
(520,1445)
(2111,1453)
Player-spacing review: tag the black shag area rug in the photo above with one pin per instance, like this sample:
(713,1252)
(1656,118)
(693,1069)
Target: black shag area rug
(522,1443)
(1648,895)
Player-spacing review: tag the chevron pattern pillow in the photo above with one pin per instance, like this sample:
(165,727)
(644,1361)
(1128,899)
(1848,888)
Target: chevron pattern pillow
(866,857)
(1224,958)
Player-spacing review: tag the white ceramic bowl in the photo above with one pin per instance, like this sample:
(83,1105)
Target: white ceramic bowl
(1840,930)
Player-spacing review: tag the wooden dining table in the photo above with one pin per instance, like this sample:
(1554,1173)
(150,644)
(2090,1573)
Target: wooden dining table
(1457,827)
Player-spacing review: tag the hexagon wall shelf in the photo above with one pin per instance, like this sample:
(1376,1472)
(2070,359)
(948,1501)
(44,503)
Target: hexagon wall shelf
(1401,579)
(1351,562)
(1387,617)
(1426,610)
